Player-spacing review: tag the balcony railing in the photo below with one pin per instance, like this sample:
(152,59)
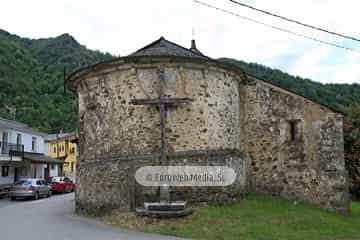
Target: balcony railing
(12,149)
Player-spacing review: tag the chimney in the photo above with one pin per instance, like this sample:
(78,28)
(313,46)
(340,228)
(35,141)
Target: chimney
(193,47)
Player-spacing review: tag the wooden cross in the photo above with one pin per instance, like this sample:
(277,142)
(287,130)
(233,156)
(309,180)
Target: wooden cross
(162,102)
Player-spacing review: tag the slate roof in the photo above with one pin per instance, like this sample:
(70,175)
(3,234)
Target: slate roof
(53,137)
(40,158)
(163,47)
(21,127)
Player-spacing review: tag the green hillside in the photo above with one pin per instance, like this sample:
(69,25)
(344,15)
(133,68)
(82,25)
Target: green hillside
(337,96)
(31,79)
(31,82)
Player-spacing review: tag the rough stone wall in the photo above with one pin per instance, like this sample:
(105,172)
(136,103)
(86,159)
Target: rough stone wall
(113,185)
(278,142)
(112,131)
(305,163)
(209,122)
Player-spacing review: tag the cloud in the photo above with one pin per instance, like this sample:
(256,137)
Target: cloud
(121,27)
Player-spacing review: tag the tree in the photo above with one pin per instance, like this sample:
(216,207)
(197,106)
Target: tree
(352,148)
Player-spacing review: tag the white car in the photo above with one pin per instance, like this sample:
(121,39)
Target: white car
(31,188)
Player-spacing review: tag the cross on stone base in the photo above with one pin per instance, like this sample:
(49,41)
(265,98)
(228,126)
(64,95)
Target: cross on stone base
(162,103)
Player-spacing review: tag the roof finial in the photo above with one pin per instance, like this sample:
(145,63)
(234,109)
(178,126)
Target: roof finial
(193,44)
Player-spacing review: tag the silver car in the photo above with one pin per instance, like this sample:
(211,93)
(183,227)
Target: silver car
(31,188)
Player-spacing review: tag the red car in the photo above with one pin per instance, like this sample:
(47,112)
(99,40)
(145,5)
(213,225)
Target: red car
(61,184)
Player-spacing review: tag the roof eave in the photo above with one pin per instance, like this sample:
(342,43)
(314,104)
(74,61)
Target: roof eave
(80,72)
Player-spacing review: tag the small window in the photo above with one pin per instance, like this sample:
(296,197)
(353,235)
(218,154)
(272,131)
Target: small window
(293,130)
(54,149)
(34,172)
(23,171)
(52,166)
(5,137)
(72,166)
(5,171)
(33,144)
(18,139)
(72,150)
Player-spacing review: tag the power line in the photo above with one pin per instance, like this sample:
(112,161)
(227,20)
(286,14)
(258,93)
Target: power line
(278,28)
(297,22)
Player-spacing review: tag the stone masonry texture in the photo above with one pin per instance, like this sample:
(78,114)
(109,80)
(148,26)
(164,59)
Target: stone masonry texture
(277,142)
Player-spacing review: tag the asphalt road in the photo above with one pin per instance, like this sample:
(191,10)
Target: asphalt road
(54,219)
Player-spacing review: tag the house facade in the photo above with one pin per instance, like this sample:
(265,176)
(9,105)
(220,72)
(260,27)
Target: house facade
(61,146)
(22,153)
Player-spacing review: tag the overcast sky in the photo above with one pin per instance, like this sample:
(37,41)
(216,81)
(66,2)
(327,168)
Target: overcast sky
(122,26)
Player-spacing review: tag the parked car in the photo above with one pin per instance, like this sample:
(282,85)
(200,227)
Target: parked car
(31,188)
(61,184)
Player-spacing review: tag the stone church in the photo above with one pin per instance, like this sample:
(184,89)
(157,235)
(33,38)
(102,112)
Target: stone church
(277,141)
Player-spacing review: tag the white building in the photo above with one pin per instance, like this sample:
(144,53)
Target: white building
(22,154)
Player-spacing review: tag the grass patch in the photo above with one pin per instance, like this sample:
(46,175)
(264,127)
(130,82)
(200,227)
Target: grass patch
(257,217)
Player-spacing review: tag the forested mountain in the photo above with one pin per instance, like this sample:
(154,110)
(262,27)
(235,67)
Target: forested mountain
(31,88)
(31,81)
(337,96)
